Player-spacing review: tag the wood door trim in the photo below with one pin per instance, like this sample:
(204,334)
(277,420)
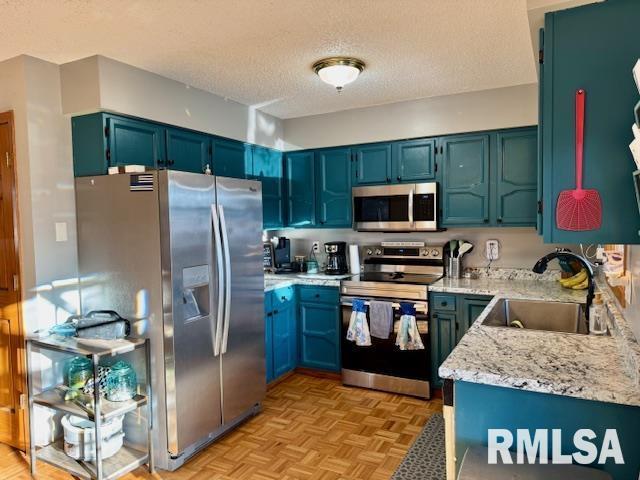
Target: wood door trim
(8,117)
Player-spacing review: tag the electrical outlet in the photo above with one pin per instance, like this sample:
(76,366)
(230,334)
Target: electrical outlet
(493,250)
(316,247)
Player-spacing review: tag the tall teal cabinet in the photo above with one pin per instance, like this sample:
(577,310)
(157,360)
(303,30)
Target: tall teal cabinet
(333,187)
(299,177)
(267,167)
(593,47)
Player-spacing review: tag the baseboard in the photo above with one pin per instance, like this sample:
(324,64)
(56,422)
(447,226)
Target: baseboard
(319,373)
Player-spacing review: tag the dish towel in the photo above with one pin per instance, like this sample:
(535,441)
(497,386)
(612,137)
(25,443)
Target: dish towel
(381,318)
(358,327)
(408,336)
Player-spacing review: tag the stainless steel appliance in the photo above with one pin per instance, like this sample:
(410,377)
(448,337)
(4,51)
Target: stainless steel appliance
(395,208)
(179,255)
(336,258)
(394,272)
(282,255)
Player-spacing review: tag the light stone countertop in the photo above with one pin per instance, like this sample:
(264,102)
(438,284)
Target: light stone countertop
(589,367)
(273,281)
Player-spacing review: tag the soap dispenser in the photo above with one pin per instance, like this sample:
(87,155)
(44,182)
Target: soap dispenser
(597,316)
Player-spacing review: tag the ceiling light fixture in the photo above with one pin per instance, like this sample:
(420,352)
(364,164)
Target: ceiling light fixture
(338,71)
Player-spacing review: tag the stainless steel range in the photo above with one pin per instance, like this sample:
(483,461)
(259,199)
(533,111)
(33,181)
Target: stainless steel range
(394,272)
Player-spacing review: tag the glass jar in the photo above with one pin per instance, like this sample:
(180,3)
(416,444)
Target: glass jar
(79,371)
(121,382)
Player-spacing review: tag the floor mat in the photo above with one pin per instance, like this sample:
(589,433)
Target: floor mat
(425,460)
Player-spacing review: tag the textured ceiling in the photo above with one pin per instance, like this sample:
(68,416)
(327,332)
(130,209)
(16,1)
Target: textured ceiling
(260,52)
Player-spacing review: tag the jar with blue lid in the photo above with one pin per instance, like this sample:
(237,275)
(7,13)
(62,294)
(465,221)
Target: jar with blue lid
(122,382)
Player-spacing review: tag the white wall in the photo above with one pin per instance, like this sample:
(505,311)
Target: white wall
(100,83)
(484,110)
(31,88)
(520,247)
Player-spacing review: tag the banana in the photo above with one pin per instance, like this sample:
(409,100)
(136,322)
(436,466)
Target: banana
(578,278)
(581,286)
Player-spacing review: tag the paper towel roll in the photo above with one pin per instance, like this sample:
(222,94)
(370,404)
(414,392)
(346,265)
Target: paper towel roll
(354,259)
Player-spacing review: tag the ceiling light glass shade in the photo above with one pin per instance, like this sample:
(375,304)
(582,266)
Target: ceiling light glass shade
(338,71)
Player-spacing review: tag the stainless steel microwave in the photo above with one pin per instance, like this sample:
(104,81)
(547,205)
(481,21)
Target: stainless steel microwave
(395,208)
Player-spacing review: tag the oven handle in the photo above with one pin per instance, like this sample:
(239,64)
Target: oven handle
(420,307)
(411,193)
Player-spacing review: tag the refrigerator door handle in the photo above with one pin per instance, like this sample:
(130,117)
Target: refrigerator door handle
(215,223)
(227,284)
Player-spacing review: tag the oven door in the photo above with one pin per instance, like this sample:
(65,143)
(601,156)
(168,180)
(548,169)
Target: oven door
(383,357)
(398,208)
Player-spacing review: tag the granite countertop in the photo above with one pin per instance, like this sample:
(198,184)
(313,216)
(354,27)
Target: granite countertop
(581,366)
(273,281)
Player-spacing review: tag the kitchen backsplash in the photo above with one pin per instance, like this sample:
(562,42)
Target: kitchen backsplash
(519,247)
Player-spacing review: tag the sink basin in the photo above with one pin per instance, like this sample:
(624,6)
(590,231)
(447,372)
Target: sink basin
(538,315)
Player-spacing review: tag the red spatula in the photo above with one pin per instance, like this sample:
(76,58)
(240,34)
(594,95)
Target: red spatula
(579,209)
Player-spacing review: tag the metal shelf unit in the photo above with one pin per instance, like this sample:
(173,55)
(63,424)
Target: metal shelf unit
(128,457)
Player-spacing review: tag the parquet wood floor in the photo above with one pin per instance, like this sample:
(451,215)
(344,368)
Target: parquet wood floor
(311,429)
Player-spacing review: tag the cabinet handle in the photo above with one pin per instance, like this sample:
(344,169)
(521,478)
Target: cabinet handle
(388,180)
(275,312)
(317,295)
(170,162)
(444,304)
(435,315)
(270,314)
(486,220)
(457,326)
(283,298)
(399,178)
(499,219)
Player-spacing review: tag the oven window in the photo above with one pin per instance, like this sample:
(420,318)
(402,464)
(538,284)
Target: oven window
(423,207)
(387,208)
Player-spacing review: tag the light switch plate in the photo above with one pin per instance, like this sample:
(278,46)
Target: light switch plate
(492,250)
(61,232)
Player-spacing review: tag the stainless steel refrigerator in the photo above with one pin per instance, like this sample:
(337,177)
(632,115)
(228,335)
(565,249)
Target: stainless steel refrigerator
(180,255)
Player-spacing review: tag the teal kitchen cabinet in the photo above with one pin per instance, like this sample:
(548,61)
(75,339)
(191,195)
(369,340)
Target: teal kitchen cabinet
(333,187)
(589,47)
(516,186)
(187,151)
(372,164)
(231,158)
(135,142)
(465,180)
(413,160)
(89,142)
(267,168)
(319,328)
(300,184)
(281,338)
(451,317)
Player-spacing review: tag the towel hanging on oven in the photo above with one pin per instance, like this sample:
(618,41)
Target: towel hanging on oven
(408,337)
(358,326)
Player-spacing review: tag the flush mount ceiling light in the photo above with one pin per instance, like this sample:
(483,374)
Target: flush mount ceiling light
(338,71)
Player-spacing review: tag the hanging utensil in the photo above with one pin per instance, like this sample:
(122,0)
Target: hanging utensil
(465,247)
(579,209)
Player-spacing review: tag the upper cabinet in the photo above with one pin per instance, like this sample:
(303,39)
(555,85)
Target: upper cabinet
(300,189)
(333,187)
(267,168)
(231,158)
(593,47)
(134,142)
(413,160)
(516,169)
(465,180)
(372,164)
(187,151)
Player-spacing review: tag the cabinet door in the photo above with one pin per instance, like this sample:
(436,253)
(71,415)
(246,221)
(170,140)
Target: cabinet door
(300,189)
(470,310)
(187,151)
(230,158)
(539,217)
(465,174)
(284,339)
(413,160)
(319,336)
(516,169)
(443,341)
(267,167)
(135,142)
(268,336)
(372,164)
(333,187)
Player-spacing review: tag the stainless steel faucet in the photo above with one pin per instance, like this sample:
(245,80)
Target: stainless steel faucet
(541,266)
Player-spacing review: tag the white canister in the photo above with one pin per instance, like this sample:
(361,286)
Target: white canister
(354,259)
(79,437)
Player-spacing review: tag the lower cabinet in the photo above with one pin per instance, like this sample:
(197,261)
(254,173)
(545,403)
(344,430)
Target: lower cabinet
(281,339)
(451,317)
(319,322)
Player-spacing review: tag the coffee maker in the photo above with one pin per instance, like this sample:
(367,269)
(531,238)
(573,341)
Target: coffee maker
(336,258)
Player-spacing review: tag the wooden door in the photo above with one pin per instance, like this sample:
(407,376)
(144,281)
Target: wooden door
(333,187)
(12,364)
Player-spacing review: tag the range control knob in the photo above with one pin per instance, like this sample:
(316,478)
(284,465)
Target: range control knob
(435,253)
(378,251)
(424,252)
(369,251)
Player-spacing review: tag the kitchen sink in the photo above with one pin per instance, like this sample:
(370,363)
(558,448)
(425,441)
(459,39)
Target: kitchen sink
(538,315)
